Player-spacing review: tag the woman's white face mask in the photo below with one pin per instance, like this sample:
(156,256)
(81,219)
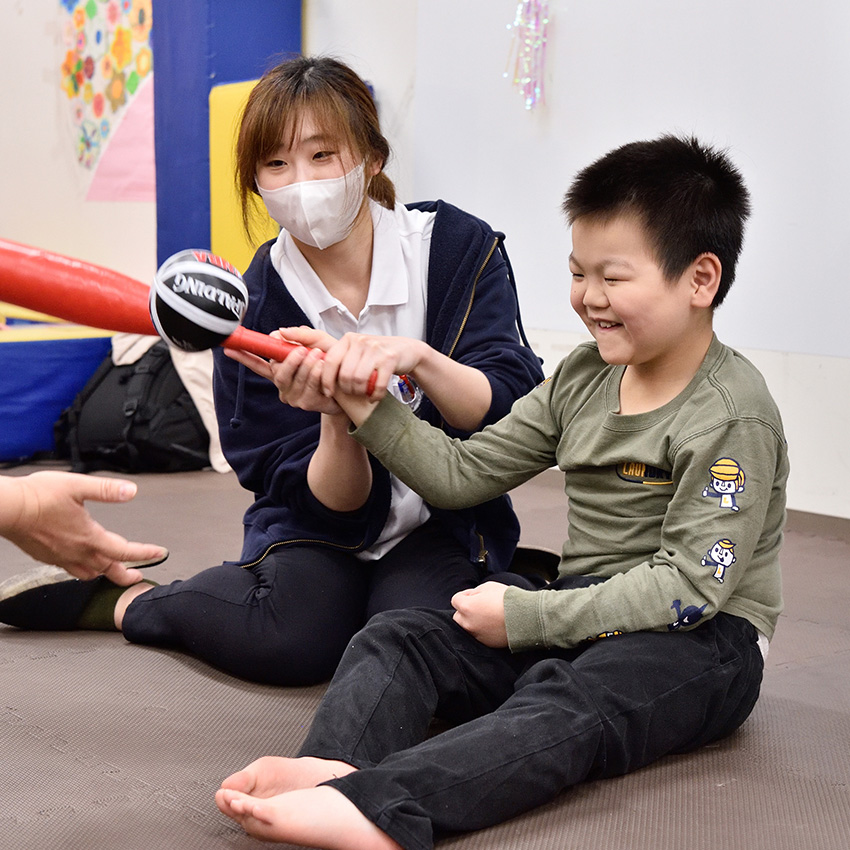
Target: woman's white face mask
(319,213)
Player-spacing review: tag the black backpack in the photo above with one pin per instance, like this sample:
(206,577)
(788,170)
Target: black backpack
(134,418)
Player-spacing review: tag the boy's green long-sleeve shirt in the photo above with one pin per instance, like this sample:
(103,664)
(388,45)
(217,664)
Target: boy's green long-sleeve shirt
(681,509)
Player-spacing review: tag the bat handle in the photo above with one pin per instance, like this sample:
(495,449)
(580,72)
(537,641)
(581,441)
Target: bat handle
(273,348)
(263,345)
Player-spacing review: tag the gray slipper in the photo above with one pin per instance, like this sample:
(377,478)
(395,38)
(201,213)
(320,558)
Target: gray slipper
(49,599)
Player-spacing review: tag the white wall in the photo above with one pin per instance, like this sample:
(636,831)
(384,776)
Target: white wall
(377,38)
(767,78)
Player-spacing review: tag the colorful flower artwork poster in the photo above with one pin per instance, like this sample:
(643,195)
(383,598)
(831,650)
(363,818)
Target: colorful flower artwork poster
(106,74)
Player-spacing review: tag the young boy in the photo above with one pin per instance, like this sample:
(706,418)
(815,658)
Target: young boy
(651,640)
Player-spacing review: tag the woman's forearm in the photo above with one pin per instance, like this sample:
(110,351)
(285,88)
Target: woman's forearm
(339,475)
(461,393)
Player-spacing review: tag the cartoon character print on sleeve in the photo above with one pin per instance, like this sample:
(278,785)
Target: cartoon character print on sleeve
(727,479)
(608,634)
(686,616)
(721,556)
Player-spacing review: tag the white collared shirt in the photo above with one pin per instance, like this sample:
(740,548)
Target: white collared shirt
(395,306)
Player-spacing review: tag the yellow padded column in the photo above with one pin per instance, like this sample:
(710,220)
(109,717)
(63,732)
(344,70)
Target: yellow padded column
(227,236)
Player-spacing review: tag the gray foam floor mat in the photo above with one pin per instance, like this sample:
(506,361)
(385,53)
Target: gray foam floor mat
(109,745)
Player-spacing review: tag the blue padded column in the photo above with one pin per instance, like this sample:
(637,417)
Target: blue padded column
(198,44)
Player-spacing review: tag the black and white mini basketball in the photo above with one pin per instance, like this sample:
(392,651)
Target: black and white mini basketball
(197,300)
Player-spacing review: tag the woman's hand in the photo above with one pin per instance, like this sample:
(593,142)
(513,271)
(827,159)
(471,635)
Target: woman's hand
(357,361)
(297,377)
(461,393)
(340,379)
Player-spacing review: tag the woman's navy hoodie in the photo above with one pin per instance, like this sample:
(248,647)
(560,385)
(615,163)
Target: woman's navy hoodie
(472,316)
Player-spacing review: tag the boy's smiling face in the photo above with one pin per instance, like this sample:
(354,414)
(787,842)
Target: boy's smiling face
(637,316)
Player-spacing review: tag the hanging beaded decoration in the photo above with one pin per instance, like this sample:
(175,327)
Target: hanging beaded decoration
(528,50)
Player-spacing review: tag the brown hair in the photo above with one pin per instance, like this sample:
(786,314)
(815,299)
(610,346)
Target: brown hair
(339,101)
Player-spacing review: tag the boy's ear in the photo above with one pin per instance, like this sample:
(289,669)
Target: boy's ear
(705,279)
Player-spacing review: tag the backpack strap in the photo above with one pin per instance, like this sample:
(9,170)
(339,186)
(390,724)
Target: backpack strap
(145,371)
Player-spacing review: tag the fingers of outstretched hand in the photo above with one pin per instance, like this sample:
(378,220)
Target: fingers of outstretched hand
(87,563)
(95,488)
(48,488)
(122,576)
(97,551)
(53,526)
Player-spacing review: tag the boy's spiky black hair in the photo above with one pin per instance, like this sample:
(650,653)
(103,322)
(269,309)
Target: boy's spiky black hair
(689,197)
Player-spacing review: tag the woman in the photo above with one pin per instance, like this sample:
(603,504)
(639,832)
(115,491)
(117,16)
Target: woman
(332,538)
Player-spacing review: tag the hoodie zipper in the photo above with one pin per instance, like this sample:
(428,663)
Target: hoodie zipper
(472,296)
(306,540)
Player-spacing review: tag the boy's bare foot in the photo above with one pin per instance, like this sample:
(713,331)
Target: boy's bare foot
(271,775)
(311,817)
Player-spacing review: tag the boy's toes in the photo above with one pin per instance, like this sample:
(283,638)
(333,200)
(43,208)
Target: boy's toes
(242,781)
(224,799)
(222,803)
